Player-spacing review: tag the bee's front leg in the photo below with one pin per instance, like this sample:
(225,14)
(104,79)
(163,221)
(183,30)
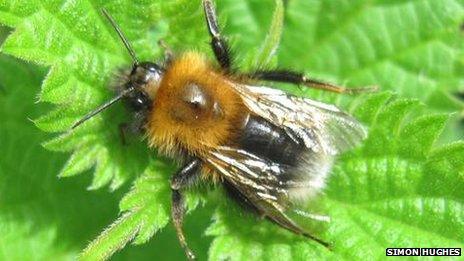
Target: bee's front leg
(183,179)
(133,127)
(168,53)
(218,43)
(123,132)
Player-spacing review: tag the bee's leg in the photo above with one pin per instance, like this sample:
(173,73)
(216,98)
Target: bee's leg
(183,179)
(168,53)
(123,128)
(138,122)
(133,127)
(218,43)
(300,79)
(283,221)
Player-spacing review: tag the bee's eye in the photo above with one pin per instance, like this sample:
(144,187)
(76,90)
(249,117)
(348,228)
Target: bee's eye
(146,72)
(140,76)
(139,101)
(141,81)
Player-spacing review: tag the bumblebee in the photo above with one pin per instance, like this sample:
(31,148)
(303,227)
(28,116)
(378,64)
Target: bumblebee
(272,151)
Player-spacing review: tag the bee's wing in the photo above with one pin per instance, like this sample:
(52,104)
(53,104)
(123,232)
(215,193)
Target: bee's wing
(262,183)
(323,127)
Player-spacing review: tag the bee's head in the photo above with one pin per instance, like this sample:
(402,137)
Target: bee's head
(142,83)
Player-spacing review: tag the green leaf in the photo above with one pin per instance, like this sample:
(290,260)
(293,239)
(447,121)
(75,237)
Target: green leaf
(411,47)
(22,238)
(82,50)
(145,210)
(18,244)
(272,41)
(41,216)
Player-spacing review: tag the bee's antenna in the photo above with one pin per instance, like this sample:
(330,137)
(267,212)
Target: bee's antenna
(121,35)
(102,107)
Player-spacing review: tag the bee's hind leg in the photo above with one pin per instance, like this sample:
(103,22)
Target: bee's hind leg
(284,221)
(183,179)
(297,78)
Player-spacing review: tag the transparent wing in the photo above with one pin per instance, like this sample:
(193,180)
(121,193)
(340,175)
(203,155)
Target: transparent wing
(323,127)
(263,184)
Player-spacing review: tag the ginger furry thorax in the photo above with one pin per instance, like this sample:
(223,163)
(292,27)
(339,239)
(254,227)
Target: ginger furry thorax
(179,123)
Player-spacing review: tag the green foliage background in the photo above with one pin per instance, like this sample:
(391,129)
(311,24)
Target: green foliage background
(404,187)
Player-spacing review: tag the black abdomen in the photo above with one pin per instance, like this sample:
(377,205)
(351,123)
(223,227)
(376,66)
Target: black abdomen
(266,140)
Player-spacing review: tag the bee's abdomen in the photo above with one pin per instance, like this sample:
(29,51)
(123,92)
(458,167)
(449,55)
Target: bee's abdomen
(266,140)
